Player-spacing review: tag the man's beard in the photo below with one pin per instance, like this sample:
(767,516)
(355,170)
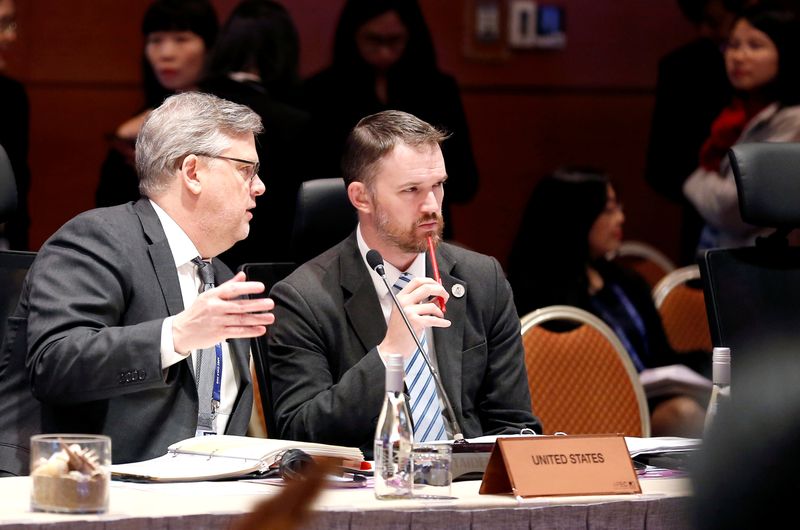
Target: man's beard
(408,240)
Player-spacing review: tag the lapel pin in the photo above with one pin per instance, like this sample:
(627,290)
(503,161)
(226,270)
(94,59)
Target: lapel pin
(458,290)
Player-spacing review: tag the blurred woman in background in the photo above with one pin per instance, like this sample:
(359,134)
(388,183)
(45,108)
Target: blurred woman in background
(178,34)
(383,58)
(761,59)
(255,63)
(572,222)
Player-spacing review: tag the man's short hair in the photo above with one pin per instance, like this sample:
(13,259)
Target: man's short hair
(185,124)
(376,135)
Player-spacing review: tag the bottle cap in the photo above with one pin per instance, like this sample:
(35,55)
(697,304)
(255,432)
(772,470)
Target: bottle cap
(721,366)
(394,361)
(721,355)
(394,372)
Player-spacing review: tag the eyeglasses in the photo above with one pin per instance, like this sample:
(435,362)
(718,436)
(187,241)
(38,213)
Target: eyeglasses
(249,172)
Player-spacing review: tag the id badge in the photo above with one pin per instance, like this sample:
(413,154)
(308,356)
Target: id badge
(204,432)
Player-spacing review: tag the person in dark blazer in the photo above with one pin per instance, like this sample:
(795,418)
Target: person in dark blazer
(336,322)
(691,90)
(254,62)
(110,311)
(384,58)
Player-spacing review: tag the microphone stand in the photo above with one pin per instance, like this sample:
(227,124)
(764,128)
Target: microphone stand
(457,436)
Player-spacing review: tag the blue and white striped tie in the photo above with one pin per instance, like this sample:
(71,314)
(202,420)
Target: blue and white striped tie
(425,409)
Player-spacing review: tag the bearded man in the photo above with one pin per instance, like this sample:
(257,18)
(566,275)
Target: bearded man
(336,322)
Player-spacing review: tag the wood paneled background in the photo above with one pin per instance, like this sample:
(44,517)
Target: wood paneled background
(528,113)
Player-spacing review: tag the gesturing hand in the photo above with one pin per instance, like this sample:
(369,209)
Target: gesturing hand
(219,314)
(421,311)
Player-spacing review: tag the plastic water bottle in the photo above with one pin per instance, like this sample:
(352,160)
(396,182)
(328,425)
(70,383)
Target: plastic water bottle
(721,389)
(394,438)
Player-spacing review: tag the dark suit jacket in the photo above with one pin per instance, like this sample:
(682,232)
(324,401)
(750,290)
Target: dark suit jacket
(691,90)
(282,150)
(94,302)
(327,376)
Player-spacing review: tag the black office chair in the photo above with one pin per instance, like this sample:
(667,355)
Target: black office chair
(269,274)
(324,216)
(752,293)
(8,187)
(14,267)
(20,415)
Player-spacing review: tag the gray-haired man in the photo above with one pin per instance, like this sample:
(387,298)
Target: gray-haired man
(114,319)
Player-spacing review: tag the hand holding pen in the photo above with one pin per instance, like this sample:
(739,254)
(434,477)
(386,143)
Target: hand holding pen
(436,276)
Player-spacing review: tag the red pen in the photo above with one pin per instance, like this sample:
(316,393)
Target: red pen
(435,265)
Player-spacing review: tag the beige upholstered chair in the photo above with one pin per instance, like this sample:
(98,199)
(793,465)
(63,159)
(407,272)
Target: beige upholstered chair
(645,259)
(680,301)
(582,380)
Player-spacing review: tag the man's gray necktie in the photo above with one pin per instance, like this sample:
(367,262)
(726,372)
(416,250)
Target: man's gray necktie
(206,358)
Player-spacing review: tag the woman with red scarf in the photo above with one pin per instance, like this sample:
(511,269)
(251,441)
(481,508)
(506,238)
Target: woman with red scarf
(761,58)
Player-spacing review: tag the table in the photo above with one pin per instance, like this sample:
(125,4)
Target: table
(663,503)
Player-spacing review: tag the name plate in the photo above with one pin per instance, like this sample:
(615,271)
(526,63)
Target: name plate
(560,465)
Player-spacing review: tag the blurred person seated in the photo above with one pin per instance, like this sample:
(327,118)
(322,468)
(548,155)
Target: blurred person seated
(691,90)
(761,59)
(572,222)
(14,125)
(178,35)
(383,58)
(121,303)
(335,320)
(254,62)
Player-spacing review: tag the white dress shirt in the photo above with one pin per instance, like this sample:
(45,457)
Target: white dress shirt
(183,251)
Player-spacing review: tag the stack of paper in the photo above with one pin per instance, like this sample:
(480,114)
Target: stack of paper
(675,379)
(661,445)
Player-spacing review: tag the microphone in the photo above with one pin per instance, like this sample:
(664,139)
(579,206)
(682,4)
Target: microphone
(375,261)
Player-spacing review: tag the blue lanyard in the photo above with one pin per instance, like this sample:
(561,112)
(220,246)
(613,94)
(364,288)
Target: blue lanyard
(215,392)
(635,318)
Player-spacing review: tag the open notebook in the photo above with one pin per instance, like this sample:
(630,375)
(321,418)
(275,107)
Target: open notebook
(223,456)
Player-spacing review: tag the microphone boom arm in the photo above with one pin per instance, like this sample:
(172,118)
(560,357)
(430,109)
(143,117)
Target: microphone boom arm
(451,416)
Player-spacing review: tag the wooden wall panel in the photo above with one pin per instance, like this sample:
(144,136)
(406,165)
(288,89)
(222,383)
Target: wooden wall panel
(94,41)
(68,125)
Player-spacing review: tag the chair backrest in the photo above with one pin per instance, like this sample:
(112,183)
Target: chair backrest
(20,413)
(767,183)
(752,293)
(269,274)
(14,267)
(681,304)
(645,259)
(324,216)
(752,299)
(8,187)
(582,380)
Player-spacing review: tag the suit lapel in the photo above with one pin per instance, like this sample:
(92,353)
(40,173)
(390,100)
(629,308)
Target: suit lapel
(366,316)
(360,300)
(160,256)
(449,341)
